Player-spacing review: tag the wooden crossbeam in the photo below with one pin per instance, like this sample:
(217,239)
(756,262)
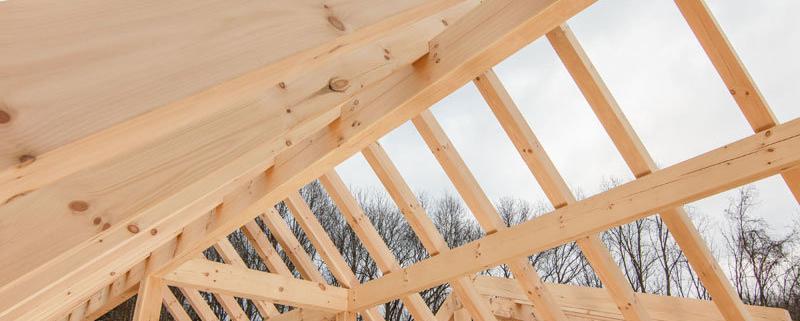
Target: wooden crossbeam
(375,245)
(483,209)
(582,302)
(744,161)
(385,105)
(88,264)
(422,226)
(558,192)
(641,163)
(734,74)
(326,249)
(229,255)
(305,315)
(242,282)
(280,64)
(228,303)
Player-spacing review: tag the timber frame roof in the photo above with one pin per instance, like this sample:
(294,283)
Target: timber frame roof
(133,142)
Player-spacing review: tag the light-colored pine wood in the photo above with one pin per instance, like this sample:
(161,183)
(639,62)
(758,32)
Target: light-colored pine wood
(372,241)
(99,299)
(461,315)
(174,307)
(148,300)
(242,282)
(557,191)
(230,256)
(422,226)
(291,246)
(199,304)
(305,315)
(588,302)
(78,313)
(483,209)
(641,163)
(734,74)
(136,190)
(379,108)
(65,84)
(326,249)
(78,231)
(744,161)
(264,248)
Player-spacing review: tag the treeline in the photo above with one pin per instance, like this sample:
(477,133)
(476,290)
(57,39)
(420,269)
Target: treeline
(763,267)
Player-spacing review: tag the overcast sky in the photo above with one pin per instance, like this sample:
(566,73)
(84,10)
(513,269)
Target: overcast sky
(662,80)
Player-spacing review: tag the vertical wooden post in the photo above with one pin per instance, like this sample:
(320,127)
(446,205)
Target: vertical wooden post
(148,301)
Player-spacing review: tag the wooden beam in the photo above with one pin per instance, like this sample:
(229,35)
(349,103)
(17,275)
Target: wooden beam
(174,307)
(383,106)
(326,249)
(483,210)
(148,301)
(199,304)
(337,32)
(422,226)
(291,246)
(230,256)
(641,163)
(583,302)
(78,265)
(264,248)
(78,313)
(246,283)
(372,241)
(558,192)
(305,315)
(744,161)
(734,74)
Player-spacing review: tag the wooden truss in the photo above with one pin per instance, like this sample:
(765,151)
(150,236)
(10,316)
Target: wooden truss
(157,144)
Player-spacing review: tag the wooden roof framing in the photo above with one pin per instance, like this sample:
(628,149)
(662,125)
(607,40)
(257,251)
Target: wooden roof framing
(137,154)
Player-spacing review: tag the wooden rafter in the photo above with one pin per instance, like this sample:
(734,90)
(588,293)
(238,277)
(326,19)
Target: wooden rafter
(422,225)
(641,163)
(326,249)
(483,210)
(243,282)
(556,189)
(734,74)
(173,305)
(134,197)
(746,160)
(585,302)
(371,57)
(375,245)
